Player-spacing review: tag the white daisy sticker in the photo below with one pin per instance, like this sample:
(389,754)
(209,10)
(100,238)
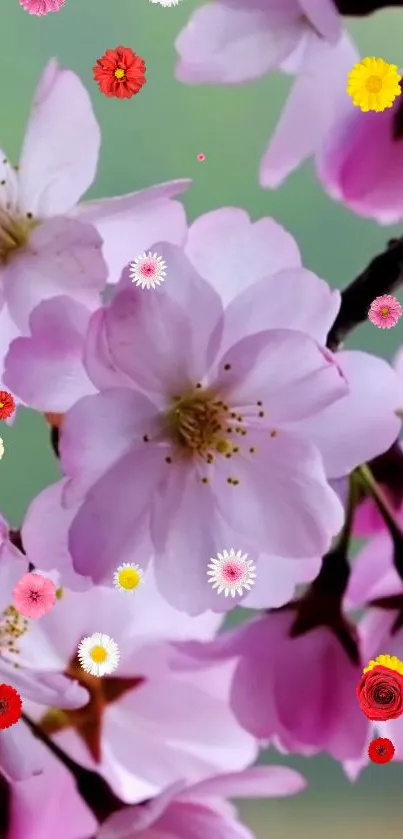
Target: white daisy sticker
(166,3)
(148,270)
(98,654)
(231,573)
(128,577)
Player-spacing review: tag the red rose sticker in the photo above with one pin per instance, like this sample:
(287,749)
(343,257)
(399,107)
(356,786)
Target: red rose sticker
(380,693)
(381,750)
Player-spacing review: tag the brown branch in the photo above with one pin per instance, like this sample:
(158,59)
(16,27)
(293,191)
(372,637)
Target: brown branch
(96,793)
(382,276)
(360,8)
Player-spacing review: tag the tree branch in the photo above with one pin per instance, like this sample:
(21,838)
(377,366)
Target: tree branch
(382,276)
(96,793)
(360,8)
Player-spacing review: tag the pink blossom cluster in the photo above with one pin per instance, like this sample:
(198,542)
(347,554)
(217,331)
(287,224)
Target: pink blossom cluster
(213,411)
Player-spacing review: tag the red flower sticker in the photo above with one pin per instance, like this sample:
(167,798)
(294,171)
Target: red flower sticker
(7,404)
(380,693)
(381,750)
(10,706)
(120,73)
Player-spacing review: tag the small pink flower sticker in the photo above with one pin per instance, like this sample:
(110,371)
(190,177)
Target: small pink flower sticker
(41,7)
(201,157)
(385,311)
(34,596)
(231,573)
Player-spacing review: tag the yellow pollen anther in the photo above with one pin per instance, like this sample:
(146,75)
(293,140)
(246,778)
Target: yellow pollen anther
(12,627)
(197,424)
(224,447)
(119,73)
(384,311)
(14,234)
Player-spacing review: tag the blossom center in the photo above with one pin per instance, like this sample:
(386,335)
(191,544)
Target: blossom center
(384,311)
(14,234)
(12,627)
(374,84)
(196,424)
(119,73)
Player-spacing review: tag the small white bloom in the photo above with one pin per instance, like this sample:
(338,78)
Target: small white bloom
(98,654)
(1,448)
(166,3)
(231,573)
(148,270)
(128,577)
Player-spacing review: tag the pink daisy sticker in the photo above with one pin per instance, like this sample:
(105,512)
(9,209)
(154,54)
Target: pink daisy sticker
(41,7)
(231,573)
(201,157)
(385,311)
(34,596)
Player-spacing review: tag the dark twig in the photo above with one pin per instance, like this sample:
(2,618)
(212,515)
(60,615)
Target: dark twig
(55,440)
(382,276)
(93,789)
(359,8)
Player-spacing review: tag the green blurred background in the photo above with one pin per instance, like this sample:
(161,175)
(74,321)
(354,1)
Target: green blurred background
(156,137)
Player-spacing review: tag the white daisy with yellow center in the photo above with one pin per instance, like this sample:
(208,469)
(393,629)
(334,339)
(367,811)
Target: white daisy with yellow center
(98,654)
(128,577)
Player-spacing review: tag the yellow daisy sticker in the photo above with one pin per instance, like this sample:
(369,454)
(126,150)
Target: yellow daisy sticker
(390,661)
(373,84)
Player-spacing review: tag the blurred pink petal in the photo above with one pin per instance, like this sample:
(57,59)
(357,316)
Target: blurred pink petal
(317,100)
(35,814)
(373,399)
(227,43)
(373,574)
(232,253)
(130,224)
(199,806)
(61,145)
(300,690)
(63,257)
(359,163)
(46,369)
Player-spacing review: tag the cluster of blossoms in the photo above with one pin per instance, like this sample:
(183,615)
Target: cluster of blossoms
(207,419)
